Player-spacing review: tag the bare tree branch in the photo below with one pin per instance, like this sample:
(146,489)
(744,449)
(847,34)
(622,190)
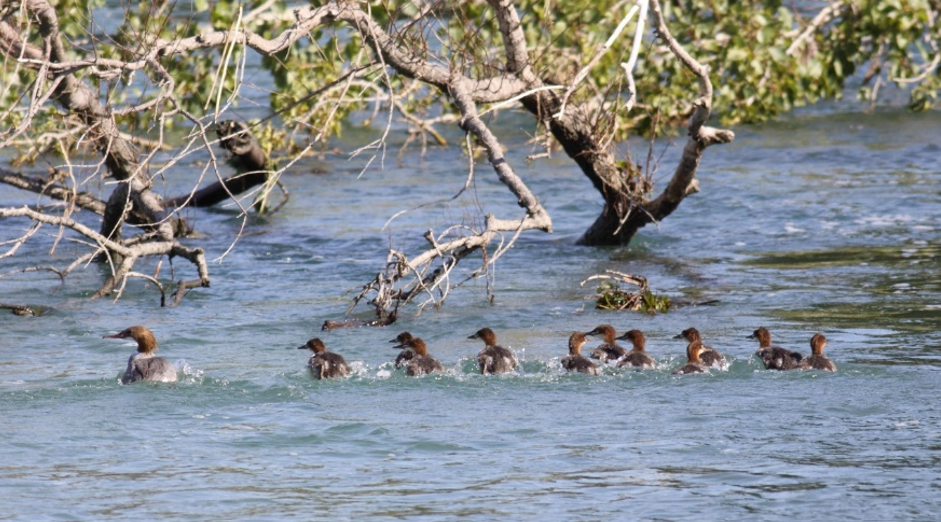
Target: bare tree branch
(50,188)
(129,254)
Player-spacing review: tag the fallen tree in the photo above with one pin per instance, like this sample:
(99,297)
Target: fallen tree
(476,57)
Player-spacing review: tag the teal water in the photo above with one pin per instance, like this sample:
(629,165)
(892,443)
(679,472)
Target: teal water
(819,223)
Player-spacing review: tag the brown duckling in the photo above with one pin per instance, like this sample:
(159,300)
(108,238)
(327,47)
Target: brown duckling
(774,357)
(575,361)
(817,360)
(406,354)
(637,357)
(709,356)
(420,363)
(610,350)
(693,359)
(144,365)
(493,358)
(324,364)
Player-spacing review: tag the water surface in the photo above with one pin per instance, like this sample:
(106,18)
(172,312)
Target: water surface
(819,223)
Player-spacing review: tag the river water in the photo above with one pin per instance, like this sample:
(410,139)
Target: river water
(826,221)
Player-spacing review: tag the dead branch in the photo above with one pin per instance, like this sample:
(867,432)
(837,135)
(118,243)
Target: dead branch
(79,99)
(51,188)
(823,17)
(612,297)
(127,253)
(700,136)
(601,52)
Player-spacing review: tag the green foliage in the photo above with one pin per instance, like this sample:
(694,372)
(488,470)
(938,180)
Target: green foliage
(655,303)
(744,42)
(612,297)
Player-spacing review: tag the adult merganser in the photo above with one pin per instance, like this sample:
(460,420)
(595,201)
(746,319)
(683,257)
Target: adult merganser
(324,364)
(774,357)
(693,362)
(637,357)
(709,356)
(818,361)
(406,354)
(144,365)
(493,358)
(575,361)
(420,363)
(610,350)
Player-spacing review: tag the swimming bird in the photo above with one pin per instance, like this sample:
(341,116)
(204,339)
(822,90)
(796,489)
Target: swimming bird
(637,357)
(817,360)
(324,364)
(420,363)
(694,363)
(610,350)
(144,365)
(709,356)
(406,354)
(493,358)
(774,357)
(575,361)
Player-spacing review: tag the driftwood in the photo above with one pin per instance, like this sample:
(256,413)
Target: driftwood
(612,297)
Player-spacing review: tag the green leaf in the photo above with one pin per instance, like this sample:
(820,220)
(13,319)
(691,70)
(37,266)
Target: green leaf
(737,55)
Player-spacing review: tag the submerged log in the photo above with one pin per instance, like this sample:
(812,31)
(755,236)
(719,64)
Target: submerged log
(24,310)
(248,159)
(382,320)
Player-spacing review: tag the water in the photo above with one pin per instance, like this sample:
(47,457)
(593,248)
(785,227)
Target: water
(821,222)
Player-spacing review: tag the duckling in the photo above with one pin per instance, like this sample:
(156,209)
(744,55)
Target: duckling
(818,361)
(693,362)
(144,365)
(637,357)
(709,356)
(324,364)
(610,350)
(774,357)
(420,363)
(493,358)
(575,361)
(406,354)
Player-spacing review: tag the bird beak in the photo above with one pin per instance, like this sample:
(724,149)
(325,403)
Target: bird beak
(115,336)
(302,347)
(472,336)
(678,336)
